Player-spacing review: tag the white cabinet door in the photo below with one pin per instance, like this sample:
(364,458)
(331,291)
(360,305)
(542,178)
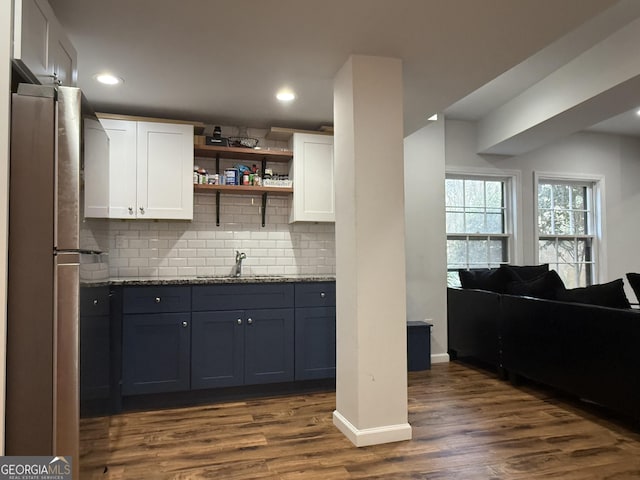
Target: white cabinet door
(313,183)
(62,58)
(122,168)
(31,27)
(41,49)
(150,171)
(96,170)
(165,171)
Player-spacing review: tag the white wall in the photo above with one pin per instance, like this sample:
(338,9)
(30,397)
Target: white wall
(614,157)
(425,238)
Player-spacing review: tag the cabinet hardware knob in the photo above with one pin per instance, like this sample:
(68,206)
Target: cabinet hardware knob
(95,301)
(239,321)
(322,295)
(249,321)
(185,324)
(142,210)
(157,299)
(130,210)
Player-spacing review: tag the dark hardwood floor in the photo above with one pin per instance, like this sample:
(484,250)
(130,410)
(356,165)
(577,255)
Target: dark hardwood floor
(467,424)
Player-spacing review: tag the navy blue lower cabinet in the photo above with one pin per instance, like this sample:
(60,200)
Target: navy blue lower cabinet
(217,349)
(269,355)
(95,357)
(155,353)
(315,343)
(96,348)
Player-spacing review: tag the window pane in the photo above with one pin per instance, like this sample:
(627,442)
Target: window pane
(568,275)
(474,222)
(578,193)
(561,196)
(498,251)
(453,279)
(494,194)
(455,222)
(494,223)
(547,249)
(474,193)
(562,222)
(454,195)
(567,251)
(456,252)
(580,223)
(544,195)
(478,253)
(545,222)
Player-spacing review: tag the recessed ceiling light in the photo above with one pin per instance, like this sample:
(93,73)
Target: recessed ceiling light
(285,96)
(638,112)
(108,79)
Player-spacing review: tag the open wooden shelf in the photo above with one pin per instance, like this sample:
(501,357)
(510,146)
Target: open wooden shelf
(241,189)
(239,153)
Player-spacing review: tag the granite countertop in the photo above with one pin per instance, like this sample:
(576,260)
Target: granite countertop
(221,279)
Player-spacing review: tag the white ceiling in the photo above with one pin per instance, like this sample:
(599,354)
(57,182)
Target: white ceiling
(221,61)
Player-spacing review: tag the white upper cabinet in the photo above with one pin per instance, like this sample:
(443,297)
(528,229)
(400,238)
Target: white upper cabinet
(313,182)
(165,170)
(96,169)
(150,170)
(41,49)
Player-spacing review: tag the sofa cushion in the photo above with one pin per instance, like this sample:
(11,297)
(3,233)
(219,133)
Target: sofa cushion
(491,279)
(543,286)
(634,281)
(609,294)
(524,272)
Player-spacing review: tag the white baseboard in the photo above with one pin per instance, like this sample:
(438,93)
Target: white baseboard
(371,436)
(440,358)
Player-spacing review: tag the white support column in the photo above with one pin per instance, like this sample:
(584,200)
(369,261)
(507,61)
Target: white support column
(371,384)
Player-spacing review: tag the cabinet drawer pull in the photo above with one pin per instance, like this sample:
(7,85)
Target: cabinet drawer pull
(185,324)
(322,295)
(142,210)
(157,300)
(130,210)
(239,321)
(95,301)
(249,321)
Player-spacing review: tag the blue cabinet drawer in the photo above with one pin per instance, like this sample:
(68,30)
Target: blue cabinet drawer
(157,299)
(242,297)
(316,294)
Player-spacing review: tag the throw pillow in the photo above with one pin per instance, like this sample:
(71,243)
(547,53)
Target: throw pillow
(491,279)
(609,294)
(634,281)
(544,286)
(525,272)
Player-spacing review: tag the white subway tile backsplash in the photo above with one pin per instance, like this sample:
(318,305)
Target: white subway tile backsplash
(170,249)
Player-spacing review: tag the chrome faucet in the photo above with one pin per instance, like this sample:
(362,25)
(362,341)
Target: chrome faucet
(238,267)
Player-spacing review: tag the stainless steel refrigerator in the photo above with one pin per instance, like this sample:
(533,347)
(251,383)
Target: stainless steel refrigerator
(51,131)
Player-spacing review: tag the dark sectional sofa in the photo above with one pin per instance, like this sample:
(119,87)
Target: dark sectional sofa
(585,350)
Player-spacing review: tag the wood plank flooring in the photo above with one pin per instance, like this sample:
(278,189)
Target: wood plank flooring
(467,424)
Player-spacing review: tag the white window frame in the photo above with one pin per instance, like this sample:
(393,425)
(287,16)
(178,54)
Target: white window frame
(512,204)
(598,193)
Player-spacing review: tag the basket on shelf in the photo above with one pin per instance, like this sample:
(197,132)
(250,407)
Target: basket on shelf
(247,142)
